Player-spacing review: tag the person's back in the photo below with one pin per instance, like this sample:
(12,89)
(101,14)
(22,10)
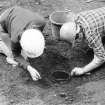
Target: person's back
(91,25)
(93,21)
(18,20)
(23,28)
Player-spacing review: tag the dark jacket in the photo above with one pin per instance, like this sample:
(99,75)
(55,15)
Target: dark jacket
(16,20)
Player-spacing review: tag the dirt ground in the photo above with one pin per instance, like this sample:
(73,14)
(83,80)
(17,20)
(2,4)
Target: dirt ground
(16,85)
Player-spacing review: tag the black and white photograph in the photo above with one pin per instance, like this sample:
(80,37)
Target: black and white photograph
(52,52)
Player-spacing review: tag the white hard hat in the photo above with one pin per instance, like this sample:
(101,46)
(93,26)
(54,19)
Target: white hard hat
(68,31)
(32,42)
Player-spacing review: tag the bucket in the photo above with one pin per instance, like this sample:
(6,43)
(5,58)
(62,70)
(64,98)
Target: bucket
(57,19)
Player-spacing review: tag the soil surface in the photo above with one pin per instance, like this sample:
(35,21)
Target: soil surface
(16,85)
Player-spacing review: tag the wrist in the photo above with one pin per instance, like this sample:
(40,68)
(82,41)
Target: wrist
(86,69)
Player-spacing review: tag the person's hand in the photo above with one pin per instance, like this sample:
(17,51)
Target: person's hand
(11,61)
(34,73)
(77,71)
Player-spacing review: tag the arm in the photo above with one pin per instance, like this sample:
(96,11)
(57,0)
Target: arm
(95,63)
(16,49)
(17,53)
(99,54)
(26,65)
(22,62)
(6,48)
(98,60)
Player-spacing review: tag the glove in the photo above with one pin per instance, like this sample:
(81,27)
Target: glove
(77,71)
(34,73)
(11,61)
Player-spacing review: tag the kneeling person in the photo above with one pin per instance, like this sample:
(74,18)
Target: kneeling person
(90,26)
(21,37)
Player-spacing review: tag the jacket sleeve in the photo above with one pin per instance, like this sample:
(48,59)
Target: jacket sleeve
(22,62)
(16,48)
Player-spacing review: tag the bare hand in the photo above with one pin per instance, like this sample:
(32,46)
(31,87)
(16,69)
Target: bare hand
(77,71)
(34,73)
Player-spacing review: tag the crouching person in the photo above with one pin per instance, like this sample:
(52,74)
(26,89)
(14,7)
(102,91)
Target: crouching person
(21,37)
(90,25)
